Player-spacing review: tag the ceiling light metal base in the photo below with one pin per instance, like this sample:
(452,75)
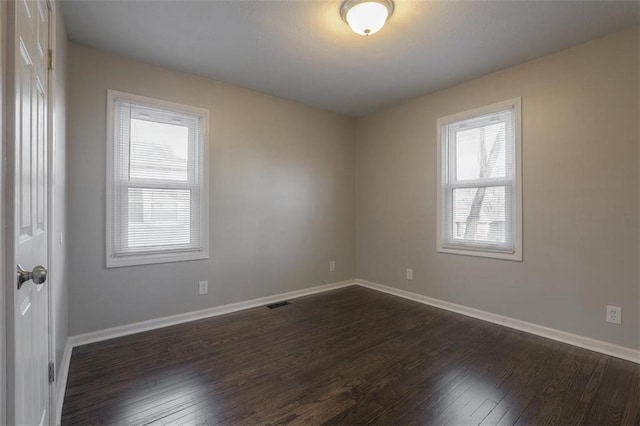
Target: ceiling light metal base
(348,4)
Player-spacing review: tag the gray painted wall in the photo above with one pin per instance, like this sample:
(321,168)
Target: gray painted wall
(59,279)
(282,199)
(580,164)
(282,195)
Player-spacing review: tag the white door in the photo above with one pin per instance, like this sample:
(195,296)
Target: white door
(29,338)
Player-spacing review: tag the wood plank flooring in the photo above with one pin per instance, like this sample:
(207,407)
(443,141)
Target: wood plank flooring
(350,356)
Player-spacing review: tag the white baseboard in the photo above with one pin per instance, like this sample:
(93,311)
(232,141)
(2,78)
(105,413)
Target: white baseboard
(61,381)
(617,351)
(137,327)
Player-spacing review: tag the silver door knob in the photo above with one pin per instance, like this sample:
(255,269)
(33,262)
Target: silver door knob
(38,275)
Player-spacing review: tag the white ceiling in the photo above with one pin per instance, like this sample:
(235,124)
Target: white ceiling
(302,50)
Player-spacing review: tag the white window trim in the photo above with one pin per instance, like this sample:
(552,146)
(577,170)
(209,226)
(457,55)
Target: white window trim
(484,251)
(168,256)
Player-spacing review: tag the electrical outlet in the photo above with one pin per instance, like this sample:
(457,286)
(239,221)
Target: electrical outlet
(614,314)
(410,274)
(204,287)
(332,266)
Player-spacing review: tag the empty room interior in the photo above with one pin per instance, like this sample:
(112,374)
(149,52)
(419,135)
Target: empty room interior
(382,212)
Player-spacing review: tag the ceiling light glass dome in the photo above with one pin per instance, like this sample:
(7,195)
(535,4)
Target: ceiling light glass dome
(366,17)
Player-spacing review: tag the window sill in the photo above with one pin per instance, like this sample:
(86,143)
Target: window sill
(149,259)
(515,256)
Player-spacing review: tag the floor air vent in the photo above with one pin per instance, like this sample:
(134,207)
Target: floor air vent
(278,304)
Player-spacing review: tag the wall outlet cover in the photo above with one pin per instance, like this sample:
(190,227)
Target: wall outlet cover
(614,315)
(204,287)
(332,266)
(409,274)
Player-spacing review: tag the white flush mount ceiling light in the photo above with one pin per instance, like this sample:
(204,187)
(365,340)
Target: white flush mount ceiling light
(366,17)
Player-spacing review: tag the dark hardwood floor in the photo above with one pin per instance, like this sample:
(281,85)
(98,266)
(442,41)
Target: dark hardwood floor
(349,356)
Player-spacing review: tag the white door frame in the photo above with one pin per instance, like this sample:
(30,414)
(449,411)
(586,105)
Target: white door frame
(3,156)
(7,272)
(52,171)
(9,281)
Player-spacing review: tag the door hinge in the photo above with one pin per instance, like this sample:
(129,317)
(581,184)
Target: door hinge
(52,372)
(50,59)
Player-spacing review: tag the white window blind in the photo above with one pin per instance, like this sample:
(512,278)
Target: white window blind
(157,198)
(479,190)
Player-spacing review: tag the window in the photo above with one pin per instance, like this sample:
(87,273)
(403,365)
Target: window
(479,189)
(157,192)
